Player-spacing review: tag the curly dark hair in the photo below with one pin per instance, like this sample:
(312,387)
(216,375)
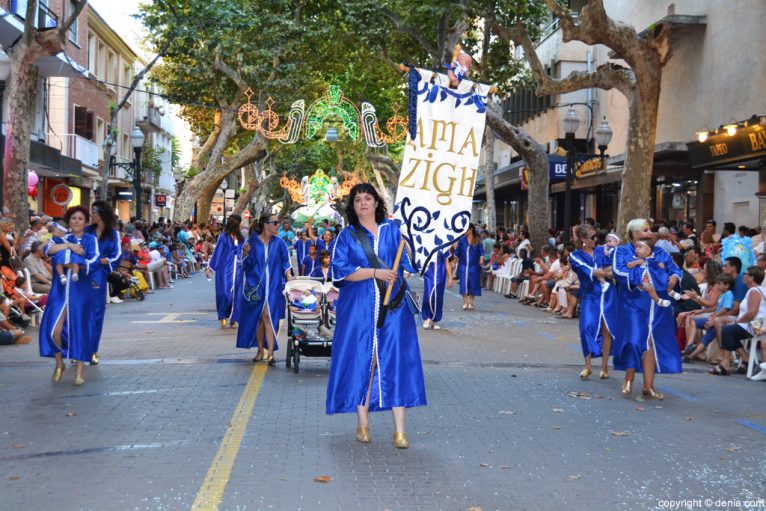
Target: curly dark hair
(380,209)
(106,212)
(74,209)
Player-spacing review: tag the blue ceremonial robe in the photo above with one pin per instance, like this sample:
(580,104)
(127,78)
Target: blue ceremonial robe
(265,265)
(301,251)
(225,262)
(317,273)
(109,249)
(321,245)
(308,264)
(398,377)
(468,266)
(77,337)
(641,318)
(596,305)
(434,279)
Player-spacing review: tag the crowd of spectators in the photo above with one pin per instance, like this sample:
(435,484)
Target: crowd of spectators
(154,254)
(719,268)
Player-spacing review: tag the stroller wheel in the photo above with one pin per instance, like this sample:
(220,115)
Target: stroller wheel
(296,360)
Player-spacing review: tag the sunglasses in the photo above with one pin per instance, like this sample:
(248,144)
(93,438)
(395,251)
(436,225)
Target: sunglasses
(275,222)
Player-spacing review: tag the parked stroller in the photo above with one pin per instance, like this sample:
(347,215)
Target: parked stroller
(308,332)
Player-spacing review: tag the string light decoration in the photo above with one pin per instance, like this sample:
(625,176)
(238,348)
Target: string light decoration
(334,104)
(318,189)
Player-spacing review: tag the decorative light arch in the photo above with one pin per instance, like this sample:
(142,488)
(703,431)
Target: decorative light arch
(333,103)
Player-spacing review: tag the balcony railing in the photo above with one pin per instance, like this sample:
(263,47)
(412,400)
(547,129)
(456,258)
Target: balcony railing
(85,150)
(149,117)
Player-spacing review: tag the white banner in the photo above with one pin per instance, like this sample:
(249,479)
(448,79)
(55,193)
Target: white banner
(440,165)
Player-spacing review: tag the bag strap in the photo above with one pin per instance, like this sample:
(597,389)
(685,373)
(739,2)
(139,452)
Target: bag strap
(375,262)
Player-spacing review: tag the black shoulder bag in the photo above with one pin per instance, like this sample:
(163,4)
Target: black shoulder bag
(374,261)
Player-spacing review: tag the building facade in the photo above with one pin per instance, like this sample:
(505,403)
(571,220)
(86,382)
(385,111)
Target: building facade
(703,89)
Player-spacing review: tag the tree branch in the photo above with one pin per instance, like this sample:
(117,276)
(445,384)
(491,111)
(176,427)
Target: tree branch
(412,32)
(606,76)
(64,28)
(230,72)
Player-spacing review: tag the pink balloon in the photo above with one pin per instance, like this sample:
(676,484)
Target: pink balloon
(31,189)
(32,178)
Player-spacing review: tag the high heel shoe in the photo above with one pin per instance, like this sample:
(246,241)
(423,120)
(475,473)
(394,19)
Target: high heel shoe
(627,388)
(604,375)
(58,373)
(400,441)
(271,360)
(223,323)
(95,359)
(585,373)
(79,380)
(258,356)
(363,435)
(232,325)
(652,394)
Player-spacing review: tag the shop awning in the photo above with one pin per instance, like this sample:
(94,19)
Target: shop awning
(721,150)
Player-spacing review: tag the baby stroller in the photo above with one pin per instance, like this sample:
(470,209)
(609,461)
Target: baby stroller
(135,290)
(330,297)
(307,334)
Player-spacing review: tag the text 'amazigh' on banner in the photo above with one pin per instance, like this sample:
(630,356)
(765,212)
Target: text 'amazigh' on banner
(441,163)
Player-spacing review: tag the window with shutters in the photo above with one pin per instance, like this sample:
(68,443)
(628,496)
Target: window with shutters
(83,123)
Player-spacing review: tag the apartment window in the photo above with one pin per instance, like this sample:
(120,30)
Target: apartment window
(101,61)
(109,75)
(92,55)
(73,28)
(100,131)
(127,76)
(126,147)
(83,122)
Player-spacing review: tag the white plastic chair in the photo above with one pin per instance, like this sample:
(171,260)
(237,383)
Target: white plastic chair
(755,360)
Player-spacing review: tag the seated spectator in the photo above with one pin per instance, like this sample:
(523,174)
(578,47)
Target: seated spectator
(548,281)
(760,261)
(663,241)
(9,334)
(732,331)
(39,271)
(527,270)
(566,278)
(710,239)
(549,255)
(705,319)
(688,283)
(158,266)
(32,235)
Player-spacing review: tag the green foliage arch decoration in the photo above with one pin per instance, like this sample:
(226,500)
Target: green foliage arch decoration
(332,104)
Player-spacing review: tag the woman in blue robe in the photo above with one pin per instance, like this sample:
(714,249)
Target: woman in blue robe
(66,329)
(597,319)
(326,242)
(225,262)
(102,225)
(434,279)
(374,366)
(301,247)
(265,269)
(470,257)
(645,335)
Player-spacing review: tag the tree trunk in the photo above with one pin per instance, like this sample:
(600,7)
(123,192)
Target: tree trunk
(533,153)
(252,185)
(21,106)
(489,180)
(204,200)
(635,192)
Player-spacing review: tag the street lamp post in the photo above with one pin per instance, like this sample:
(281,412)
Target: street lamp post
(224,186)
(571,123)
(5,72)
(108,148)
(137,139)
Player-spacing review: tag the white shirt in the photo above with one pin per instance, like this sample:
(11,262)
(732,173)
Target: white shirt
(761,306)
(155,255)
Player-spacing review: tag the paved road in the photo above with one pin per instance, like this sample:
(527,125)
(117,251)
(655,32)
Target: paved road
(176,415)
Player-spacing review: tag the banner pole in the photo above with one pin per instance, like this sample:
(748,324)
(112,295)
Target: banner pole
(395,269)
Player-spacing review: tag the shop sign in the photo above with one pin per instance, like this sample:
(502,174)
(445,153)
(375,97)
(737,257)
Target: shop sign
(747,143)
(161,200)
(61,194)
(125,194)
(589,167)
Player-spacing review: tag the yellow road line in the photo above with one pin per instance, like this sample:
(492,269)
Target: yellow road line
(217,478)
(211,492)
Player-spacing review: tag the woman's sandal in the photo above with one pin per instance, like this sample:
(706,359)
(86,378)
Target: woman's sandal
(719,370)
